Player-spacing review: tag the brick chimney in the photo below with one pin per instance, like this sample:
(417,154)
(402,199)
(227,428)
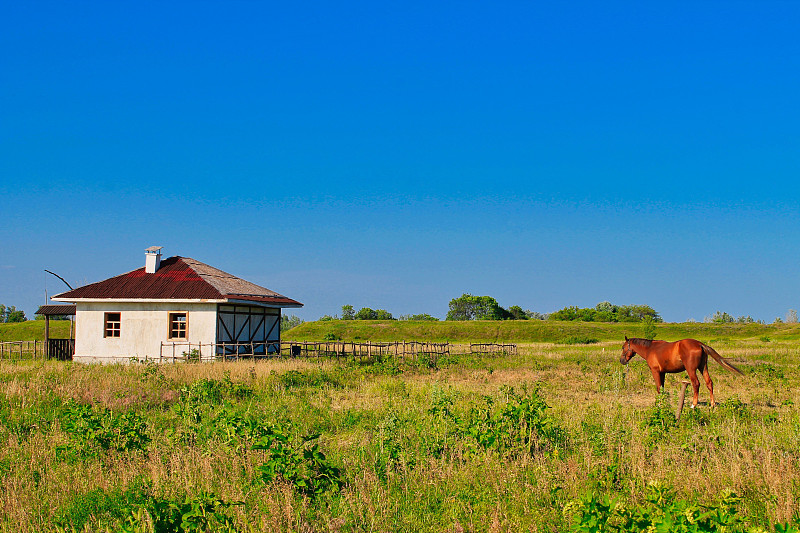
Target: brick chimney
(152,259)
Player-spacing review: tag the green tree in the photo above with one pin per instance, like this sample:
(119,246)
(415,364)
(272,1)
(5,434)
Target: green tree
(290,321)
(468,307)
(365,313)
(382,314)
(533,315)
(419,317)
(11,314)
(348,313)
(517,313)
(607,312)
(720,318)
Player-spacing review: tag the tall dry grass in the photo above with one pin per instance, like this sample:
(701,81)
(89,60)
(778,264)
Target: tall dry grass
(439,480)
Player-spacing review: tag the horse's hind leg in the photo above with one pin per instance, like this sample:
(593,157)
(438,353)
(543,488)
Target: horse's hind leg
(709,383)
(695,386)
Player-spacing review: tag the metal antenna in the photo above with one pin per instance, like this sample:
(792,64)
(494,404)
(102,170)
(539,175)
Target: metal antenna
(59,277)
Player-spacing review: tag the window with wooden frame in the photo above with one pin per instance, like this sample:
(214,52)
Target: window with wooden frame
(112,325)
(177,325)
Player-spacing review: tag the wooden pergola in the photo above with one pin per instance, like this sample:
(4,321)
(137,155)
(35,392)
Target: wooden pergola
(62,349)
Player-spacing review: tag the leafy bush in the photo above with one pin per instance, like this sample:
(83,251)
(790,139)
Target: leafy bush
(392,449)
(520,424)
(660,419)
(198,514)
(579,339)
(93,429)
(192,356)
(212,391)
(111,505)
(295,461)
(424,317)
(662,513)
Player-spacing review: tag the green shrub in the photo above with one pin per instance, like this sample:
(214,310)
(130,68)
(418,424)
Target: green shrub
(521,424)
(99,505)
(661,513)
(93,429)
(213,391)
(298,461)
(579,339)
(198,514)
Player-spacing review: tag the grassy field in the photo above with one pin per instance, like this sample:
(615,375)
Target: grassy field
(527,331)
(33,330)
(557,438)
(518,331)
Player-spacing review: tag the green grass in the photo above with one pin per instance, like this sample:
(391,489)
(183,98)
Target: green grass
(524,331)
(552,439)
(33,330)
(518,331)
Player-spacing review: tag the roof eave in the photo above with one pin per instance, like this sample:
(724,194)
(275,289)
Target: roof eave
(141,300)
(291,304)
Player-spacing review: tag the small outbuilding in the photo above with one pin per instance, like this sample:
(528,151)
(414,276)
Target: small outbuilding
(175,306)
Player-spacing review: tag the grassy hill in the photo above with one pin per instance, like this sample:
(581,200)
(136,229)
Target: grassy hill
(33,330)
(518,331)
(523,331)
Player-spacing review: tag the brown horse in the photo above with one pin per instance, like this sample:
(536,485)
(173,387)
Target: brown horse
(670,357)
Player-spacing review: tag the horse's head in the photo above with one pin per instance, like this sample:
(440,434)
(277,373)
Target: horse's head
(627,351)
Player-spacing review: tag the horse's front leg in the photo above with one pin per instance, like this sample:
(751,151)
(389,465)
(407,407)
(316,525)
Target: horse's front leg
(658,377)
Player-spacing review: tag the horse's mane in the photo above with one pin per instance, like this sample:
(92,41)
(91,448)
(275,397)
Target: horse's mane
(641,342)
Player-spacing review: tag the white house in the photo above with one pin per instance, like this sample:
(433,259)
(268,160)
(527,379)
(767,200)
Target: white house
(174,306)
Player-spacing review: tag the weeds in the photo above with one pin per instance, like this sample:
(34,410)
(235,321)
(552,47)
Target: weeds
(95,429)
(297,461)
(661,513)
(457,447)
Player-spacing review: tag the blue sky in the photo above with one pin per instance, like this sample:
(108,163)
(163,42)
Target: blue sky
(397,155)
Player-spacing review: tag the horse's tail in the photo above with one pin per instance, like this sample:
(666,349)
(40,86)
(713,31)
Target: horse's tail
(719,359)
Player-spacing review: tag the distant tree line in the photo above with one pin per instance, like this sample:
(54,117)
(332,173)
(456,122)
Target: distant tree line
(608,312)
(11,314)
(470,307)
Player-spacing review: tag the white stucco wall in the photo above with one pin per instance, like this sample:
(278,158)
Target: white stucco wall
(143,327)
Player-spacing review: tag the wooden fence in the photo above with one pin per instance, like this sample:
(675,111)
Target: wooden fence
(61,349)
(406,351)
(412,352)
(493,349)
(172,352)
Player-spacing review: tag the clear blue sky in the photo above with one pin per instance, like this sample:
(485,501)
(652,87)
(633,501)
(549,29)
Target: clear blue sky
(396,155)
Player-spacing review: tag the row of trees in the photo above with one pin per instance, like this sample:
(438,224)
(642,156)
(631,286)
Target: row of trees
(11,314)
(608,312)
(470,307)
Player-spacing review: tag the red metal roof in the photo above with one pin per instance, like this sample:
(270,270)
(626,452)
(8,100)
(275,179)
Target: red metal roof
(179,278)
